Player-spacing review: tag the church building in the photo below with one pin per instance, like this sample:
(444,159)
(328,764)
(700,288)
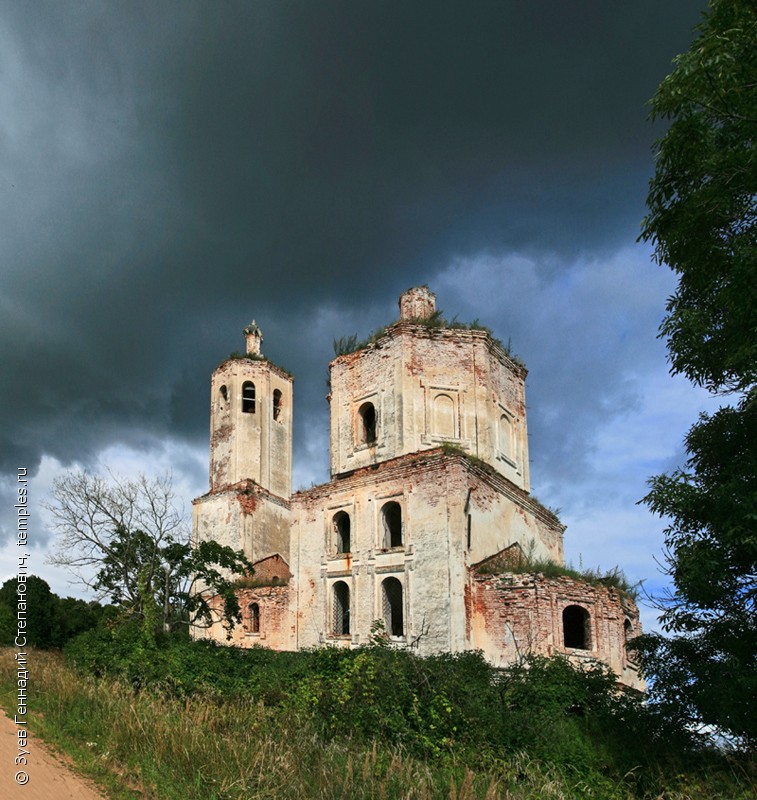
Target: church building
(426,529)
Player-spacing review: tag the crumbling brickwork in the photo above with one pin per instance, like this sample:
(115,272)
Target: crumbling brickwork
(268,625)
(452,511)
(512,615)
(429,485)
(430,386)
(273,570)
(243,516)
(248,441)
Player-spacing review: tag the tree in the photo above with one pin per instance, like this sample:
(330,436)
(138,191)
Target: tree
(702,223)
(40,611)
(75,616)
(702,203)
(50,620)
(127,540)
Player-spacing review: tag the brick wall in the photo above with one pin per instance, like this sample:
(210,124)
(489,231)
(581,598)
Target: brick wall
(274,627)
(513,615)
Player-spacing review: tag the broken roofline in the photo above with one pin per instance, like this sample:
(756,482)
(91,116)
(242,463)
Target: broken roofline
(472,330)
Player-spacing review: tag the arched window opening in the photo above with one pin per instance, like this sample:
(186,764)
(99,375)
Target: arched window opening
(627,631)
(341,609)
(276,403)
(444,416)
(341,524)
(248,397)
(391,518)
(367,414)
(394,614)
(505,435)
(576,623)
(253,618)
(224,395)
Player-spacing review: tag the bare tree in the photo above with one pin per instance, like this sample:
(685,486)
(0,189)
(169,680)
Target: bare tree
(88,511)
(127,539)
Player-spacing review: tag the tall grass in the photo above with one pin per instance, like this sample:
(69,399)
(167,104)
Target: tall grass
(204,747)
(154,746)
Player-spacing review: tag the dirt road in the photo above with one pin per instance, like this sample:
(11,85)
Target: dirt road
(49,778)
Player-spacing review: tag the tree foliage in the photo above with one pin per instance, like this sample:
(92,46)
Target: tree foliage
(702,200)
(127,540)
(39,609)
(703,224)
(51,621)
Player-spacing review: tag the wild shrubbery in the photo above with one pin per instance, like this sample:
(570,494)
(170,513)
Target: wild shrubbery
(451,706)
(193,719)
(176,666)
(428,705)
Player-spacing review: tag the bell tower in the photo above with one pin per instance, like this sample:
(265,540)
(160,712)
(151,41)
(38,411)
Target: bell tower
(251,421)
(247,506)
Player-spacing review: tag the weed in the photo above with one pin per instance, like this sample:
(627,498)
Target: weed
(371,723)
(614,578)
(344,345)
(235,355)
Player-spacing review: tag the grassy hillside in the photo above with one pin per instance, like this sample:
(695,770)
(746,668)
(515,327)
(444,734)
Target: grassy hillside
(302,729)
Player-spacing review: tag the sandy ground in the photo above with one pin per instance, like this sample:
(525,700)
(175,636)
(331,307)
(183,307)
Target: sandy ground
(49,778)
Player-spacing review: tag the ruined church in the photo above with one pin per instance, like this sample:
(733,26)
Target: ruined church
(426,528)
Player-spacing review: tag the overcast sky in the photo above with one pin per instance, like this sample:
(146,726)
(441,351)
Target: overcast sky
(170,170)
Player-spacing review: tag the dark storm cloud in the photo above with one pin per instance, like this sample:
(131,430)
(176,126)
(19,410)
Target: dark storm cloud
(168,170)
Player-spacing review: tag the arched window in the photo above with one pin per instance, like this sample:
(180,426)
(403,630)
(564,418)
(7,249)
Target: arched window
(341,524)
(248,397)
(444,416)
(391,519)
(505,436)
(253,618)
(367,423)
(394,613)
(223,394)
(576,624)
(627,631)
(341,604)
(276,403)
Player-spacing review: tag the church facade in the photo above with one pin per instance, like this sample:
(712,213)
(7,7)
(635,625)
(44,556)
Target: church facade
(425,530)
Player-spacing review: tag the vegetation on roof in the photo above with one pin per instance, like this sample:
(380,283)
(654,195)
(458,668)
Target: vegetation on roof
(235,355)
(525,565)
(451,449)
(344,345)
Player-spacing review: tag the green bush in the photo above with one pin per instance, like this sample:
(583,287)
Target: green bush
(179,666)
(455,708)
(429,705)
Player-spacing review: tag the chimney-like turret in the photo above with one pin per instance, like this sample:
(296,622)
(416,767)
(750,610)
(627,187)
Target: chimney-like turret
(254,338)
(417,303)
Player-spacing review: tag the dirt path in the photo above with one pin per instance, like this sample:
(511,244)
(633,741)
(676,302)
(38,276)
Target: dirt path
(49,778)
